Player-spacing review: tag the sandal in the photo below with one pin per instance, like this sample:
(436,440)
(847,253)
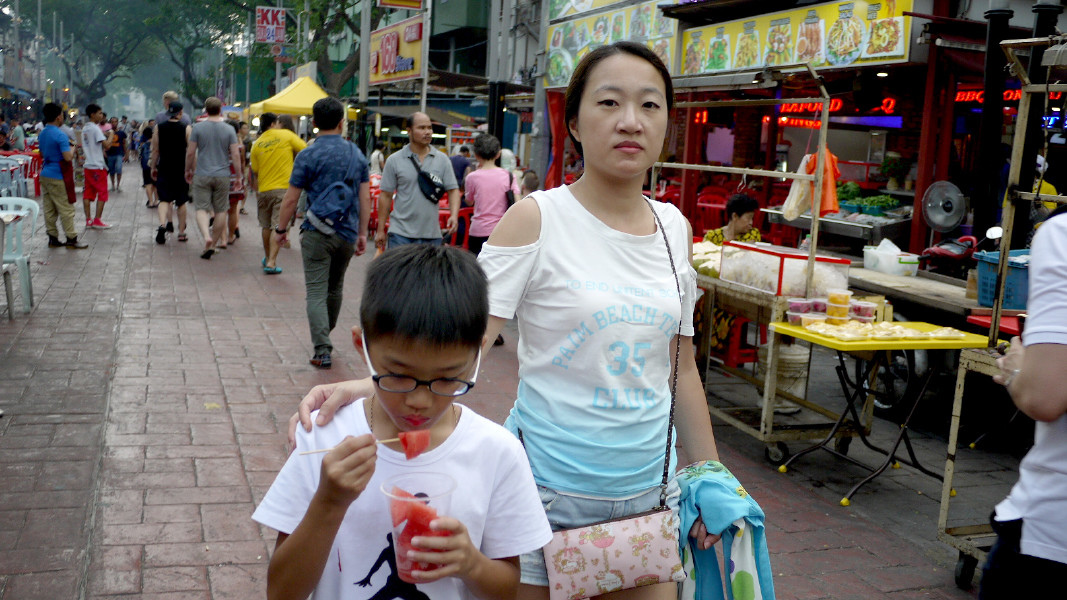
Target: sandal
(207,254)
(182,237)
(272,270)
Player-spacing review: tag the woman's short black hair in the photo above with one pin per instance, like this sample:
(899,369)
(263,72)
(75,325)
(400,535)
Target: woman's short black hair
(573,98)
(437,295)
(739,204)
(486,146)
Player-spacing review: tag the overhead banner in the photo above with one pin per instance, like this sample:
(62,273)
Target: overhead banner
(570,40)
(570,8)
(408,4)
(396,52)
(835,34)
(270,24)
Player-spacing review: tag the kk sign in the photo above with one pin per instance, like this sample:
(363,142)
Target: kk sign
(396,52)
(270,24)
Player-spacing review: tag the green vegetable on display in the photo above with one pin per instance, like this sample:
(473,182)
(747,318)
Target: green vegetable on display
(848,191)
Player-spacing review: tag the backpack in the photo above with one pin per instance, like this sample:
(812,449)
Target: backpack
(333,207)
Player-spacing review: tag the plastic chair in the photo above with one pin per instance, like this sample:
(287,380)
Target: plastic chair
(26,169)
(738,351)
(14,246)
(10,176)
(7,270)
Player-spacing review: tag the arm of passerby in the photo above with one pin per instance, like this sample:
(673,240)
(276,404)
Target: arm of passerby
(153,157)
(238,164)
(327,399)
(286,212)
(1034,377)
(190,162)
(453,209)
(385,206)
(364,217)
(300,557)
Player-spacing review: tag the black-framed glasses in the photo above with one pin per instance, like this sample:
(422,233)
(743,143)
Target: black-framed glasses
(442,386)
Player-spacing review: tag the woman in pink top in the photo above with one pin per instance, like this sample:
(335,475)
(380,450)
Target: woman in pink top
(486,188)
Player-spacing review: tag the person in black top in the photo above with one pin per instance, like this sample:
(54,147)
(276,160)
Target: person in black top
(167,162)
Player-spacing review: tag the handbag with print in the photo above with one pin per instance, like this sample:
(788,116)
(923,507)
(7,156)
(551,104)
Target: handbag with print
(627,552)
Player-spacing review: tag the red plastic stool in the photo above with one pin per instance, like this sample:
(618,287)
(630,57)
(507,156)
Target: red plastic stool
(738,351)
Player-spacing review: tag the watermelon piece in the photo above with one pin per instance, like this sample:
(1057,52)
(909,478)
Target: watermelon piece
(399,509)
(414,442)
(419,517)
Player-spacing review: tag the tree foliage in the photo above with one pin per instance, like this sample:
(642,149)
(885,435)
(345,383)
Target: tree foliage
(329,18)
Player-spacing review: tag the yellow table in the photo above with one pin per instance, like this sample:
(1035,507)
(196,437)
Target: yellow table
(878,349)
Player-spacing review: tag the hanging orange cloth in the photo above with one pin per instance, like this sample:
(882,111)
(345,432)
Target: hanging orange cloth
(830,173)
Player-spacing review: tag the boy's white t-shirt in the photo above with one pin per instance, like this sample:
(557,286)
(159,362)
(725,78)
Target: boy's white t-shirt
(94,152)
(1039,498)
(496,500)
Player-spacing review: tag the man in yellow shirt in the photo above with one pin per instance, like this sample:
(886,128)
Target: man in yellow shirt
(272,163)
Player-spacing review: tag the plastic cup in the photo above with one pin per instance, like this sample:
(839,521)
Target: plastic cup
(839,296)
(799,305)
(416,499)
(837,310)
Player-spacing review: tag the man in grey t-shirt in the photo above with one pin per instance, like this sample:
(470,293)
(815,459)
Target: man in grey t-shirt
(414,219)
(163,116)
(213,147)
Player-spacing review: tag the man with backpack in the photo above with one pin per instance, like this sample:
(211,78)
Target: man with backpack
(335,175)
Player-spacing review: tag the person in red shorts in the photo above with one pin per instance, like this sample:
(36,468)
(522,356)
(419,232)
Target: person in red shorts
(94,143)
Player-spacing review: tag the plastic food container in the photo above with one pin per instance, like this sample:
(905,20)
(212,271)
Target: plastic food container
(837,320)
(838,296)
(851,336)
(811,318)
(863,319)
(837,310)
(799,305)
(863,309)
(794,317)
(818,305)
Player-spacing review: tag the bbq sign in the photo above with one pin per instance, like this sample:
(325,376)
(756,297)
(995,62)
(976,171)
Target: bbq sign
(396,52)
(270,25)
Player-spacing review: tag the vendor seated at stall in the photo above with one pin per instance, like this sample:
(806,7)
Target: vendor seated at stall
(740,210)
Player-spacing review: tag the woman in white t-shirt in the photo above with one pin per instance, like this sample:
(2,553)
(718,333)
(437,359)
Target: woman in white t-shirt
(588,272)
(487,189)
(377,159)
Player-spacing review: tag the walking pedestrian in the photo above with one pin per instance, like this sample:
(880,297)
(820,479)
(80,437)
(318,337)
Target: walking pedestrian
(55,149)
(94,144)
(237,188)
(169,144)
(414,216)
(272,163)
(244,136)
(487,189)
(377,158)
(212,148)
(334,172)
(18,134)
(145,155)
(164,115)
(116,153)
(1029,557)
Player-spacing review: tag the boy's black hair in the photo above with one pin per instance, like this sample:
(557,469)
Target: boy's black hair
(146,133)
(437,295)
(328,112)
(486,146)
(739,204)
(266,120)
(51,111)
(92,109)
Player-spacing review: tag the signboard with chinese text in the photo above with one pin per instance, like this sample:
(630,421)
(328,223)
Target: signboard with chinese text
(408,4)
(396,52)
(270,24)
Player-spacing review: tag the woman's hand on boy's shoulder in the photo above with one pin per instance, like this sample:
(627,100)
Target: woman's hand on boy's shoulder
(346,470)
(327,399)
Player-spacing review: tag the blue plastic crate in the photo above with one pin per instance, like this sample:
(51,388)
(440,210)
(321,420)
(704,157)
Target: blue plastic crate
(1017,287)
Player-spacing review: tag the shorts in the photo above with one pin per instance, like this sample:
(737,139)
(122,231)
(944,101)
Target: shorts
(114,164)
(146,175)
(270,207)
(95,185)
(173,188)
(566,511)
(394,240)
(211,194)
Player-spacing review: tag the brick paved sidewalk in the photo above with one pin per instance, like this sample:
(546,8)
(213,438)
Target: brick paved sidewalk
(146,399)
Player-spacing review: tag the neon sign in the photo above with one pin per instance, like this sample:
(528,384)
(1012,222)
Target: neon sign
(1009,96)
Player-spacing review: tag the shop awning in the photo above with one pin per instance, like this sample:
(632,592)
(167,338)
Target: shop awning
(444,117)
(297,99)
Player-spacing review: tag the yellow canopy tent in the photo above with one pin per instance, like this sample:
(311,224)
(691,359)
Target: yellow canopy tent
(296,99)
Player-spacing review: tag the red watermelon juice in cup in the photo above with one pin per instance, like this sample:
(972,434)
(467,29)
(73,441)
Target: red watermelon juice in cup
(415,500)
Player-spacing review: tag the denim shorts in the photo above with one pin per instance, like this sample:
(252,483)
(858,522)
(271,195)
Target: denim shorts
(566,511)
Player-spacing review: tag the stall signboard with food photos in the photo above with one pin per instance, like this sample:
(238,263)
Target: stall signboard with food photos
(570,40)
(559,9)
(396,52)
(834,34)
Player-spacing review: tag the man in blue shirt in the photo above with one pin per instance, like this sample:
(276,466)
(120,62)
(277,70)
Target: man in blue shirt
(55,148)
(327,247)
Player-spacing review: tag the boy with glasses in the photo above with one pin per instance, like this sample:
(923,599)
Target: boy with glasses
(423,313)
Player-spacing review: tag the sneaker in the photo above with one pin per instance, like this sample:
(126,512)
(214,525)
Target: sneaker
(170,227)
(88,223)
(53,242)
(161,235)
(74,244)
(321,361)
(98,224)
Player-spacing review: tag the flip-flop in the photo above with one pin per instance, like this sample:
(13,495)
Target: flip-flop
(182,237)
(207,254)
(272,270)
(264,262)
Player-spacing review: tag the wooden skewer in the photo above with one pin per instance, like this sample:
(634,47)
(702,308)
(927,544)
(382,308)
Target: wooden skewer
(389,441)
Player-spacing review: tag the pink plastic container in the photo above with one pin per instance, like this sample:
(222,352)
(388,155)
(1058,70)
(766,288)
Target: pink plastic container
(861,319)
(800,305)
(863,309)
(818,305)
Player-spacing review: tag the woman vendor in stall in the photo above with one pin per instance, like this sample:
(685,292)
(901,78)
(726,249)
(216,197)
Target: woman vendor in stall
(740,210)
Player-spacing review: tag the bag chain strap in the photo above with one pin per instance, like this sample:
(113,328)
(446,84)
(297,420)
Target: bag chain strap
(674,374)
